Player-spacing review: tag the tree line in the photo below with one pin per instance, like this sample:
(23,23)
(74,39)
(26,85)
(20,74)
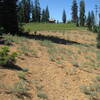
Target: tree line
(25,11)
(79,17)
(14,11)
(29,11)
(82,19)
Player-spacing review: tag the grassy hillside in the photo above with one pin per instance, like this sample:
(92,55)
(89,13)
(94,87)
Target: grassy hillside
(52,66)
(50,26)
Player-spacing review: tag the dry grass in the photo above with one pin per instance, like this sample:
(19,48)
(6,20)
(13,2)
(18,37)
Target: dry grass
(57,69)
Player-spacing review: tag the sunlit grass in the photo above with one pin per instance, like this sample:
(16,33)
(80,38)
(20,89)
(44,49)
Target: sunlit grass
(49,26)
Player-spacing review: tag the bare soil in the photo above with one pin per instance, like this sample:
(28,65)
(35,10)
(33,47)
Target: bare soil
(54,80)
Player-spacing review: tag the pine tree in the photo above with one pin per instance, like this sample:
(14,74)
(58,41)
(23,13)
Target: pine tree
(24,10)
(27,11)
(43,16)
(92,18)
(89,21)
(20,12)
(82,13)
(64,16)
(8,18)
(47,14)
(74,11)
(33,14)
(36,13)
(1,13)
(77,22)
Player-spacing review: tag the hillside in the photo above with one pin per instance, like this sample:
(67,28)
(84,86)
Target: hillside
(52,65)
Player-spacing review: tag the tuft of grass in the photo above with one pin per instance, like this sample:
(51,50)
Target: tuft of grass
(46,43)
(98,78)
(52,51)
(14,98)
(92,90)
(57,54)
(20,87)
(8,39)
(39,87)
(69,52)
(75,63)
(2,86)
(98,55)
(52,58)
(59,62)
(21,75)
(42,95)
(27,51)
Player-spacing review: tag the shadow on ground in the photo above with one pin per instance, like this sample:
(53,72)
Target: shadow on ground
(11,67)
(53,39)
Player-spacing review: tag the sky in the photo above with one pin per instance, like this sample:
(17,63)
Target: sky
(56,7)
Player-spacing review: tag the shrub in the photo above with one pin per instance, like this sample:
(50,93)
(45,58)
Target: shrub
(5,57)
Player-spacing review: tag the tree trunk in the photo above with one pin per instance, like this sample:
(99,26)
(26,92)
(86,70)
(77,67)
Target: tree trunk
(8,16)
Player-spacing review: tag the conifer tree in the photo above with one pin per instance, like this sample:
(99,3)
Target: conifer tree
(24,11)
(43,16)
(64,16)
(33,14)
(8,16)
(20,12)
(74,11)
(89,21)
(47,14)
(82,13)
(92,18)
(36,12)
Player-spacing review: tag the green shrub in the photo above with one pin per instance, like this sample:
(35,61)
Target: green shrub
(5,57)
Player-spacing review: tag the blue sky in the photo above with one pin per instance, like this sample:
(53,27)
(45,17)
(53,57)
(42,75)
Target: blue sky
(56,7)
